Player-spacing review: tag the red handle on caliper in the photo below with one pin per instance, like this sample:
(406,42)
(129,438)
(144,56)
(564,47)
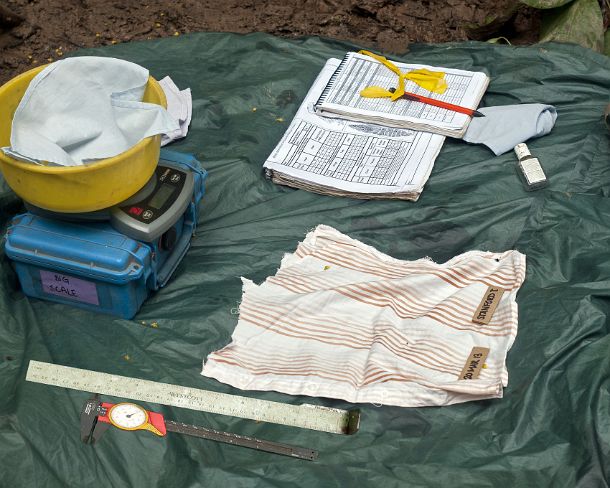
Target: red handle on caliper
(155,419)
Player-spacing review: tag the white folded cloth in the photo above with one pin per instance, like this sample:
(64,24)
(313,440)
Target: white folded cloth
(179,106)
(341,320)
(81,109)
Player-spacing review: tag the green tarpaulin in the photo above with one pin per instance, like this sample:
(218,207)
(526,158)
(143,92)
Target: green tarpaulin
(552,428)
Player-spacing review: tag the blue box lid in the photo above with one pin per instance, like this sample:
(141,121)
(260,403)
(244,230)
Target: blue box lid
(87,249)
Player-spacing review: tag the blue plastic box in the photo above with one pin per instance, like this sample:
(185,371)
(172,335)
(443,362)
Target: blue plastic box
(93,266)
(89,266)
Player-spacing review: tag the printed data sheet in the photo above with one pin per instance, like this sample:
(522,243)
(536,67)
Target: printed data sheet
(358,71)
(352,156)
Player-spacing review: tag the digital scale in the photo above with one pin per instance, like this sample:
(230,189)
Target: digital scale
(111,260)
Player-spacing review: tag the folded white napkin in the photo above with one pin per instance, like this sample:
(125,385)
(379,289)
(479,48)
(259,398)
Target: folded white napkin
(505,126)
(85,108)
(179,106)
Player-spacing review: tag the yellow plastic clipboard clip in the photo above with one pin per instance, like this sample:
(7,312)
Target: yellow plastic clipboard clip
(433,81)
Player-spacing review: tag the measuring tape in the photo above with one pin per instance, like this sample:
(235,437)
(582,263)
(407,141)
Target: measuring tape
(306,416)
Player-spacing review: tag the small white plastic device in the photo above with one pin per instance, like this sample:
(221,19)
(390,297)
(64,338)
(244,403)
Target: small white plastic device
(529,169)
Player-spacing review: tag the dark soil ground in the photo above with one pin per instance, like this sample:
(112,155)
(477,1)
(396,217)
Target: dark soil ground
(34,32)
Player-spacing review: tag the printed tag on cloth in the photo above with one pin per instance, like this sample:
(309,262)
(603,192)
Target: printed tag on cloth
(488,305)
(341,320)
(474,363)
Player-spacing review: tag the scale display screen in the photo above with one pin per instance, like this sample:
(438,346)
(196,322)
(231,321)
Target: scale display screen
(159,205)
(161,196)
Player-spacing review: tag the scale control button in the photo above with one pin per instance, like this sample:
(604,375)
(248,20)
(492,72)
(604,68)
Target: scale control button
(175,178)
(147,215)
(136,210)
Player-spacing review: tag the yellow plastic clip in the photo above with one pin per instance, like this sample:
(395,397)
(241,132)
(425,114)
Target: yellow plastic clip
(433,81)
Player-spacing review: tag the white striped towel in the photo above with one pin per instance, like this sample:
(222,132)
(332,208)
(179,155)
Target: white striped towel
(342,320)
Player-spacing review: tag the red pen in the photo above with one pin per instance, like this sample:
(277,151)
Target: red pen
(438,103)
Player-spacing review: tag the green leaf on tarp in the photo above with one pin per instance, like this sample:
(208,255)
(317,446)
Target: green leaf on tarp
(545,3)
(607,43)
(499,40)
(580,22)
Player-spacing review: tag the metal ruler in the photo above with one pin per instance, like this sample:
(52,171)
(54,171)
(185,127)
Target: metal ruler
(306,416)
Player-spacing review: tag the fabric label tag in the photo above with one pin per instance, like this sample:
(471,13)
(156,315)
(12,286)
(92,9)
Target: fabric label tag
(474,363)
(488,305)
(69,287)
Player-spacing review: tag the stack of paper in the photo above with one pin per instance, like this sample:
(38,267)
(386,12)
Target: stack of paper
(343,144)
(341,97)
(347,158)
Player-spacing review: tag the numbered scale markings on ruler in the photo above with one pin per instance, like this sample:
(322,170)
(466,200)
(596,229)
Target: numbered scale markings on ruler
(306,416)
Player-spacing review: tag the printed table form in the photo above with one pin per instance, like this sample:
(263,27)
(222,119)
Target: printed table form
(358,71)
(353,156)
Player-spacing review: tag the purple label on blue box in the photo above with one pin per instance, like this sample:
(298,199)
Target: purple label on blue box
(69,287)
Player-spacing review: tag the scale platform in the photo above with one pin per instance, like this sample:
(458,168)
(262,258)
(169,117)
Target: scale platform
(111,260)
